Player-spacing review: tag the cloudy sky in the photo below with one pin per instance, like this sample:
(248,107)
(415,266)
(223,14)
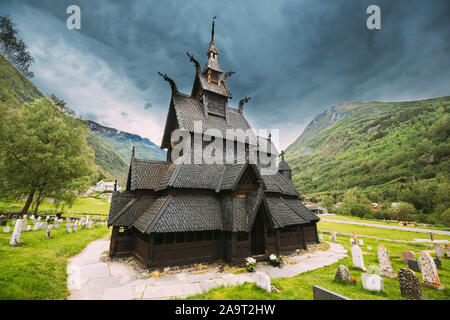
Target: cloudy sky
(294,58)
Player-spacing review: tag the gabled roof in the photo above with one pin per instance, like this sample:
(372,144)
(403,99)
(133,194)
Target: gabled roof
(285,212)
(212,64)
(146,174)
(221,89)
(118,202)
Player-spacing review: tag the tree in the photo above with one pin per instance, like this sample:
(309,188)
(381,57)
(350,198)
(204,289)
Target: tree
(13,48)
(43,152)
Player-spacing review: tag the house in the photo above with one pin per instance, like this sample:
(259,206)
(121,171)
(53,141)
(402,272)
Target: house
(106,186)
(176,212)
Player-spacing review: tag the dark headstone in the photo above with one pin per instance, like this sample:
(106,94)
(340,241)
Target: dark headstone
(409,284)
(438,262)
(413,265)
(342,274)
(320,293)
(431,236)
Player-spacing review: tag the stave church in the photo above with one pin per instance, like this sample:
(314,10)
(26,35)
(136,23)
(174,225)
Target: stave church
(176,212)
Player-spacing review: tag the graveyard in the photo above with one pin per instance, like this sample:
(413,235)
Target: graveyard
(36,269)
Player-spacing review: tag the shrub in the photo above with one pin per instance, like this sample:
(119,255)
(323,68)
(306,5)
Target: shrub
(250,264)
(274,260)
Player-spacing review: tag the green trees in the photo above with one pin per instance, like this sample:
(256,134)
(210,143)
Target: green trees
(43,152)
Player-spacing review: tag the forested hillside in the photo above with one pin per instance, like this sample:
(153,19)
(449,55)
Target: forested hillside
(380,150)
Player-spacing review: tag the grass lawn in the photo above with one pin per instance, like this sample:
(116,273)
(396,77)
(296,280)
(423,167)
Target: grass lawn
(80,206)
(377,232)
(37,270)
(300,287)
(386,222)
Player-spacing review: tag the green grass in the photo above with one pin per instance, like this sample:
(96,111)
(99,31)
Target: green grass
(300,287)
(385,222)
(80,206)
(377,232)
(37,270)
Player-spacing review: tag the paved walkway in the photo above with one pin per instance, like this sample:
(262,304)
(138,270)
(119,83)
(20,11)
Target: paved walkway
(447,233)
(92,279)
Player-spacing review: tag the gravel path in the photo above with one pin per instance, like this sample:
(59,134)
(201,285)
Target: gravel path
(90,278)
(447,233)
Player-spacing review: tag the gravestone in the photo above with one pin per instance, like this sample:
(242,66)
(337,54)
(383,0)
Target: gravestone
(32,217)
(357,257)
(431,236)
(15,238)
(342,274)
(263,281)
(39,218)
(439,250)
(75,227)
(333,236)
(361,242)
(50,227)
(408,255)
(430,277)
(352,242)
(447,250)
(68,229)
(24,225)
(7,229)
(28,228)
(24,216)
(47,233)
(386,269)
(414,265)
(372,282)
(43,226)
(320,293)
(369,248)
(36,226)
(56,225)
(409,284)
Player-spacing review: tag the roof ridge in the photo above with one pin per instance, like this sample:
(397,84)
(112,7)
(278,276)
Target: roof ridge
(159,212)
(289,206)
(175,174)
(127,206)
(221,179)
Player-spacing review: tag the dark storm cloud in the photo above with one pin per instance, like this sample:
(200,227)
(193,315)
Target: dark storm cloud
(295,58)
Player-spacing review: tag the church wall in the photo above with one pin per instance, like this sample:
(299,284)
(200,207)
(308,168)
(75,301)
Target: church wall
(310,232)
(121,242)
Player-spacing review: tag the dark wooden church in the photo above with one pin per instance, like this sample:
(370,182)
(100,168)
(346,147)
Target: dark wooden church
(177,213)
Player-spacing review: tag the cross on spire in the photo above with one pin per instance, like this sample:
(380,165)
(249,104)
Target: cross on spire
(282,154)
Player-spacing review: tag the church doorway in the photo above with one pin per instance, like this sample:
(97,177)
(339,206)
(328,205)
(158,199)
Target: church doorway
(258,243)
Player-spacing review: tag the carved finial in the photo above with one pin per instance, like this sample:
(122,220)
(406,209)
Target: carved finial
(197,65)
(132,153)
(173,86)
(241,103)
(115,185)
(227,75)
(270,137)
(282,154)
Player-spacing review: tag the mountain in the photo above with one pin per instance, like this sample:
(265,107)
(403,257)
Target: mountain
(112,147)
(122,142)
(378,147)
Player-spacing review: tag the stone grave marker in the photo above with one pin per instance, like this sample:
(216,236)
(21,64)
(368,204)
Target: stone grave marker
(333,236)
(32,217)
(7,229)
(408,255)
(50,227)
(342,274)
(28,228)
(15,238)
(69,229)
(447,250)
(263,281)
(369,248)
(320,293)
(439,250)
(357,257)
(372,282)
(43,226)
(39,218)
(361,242)
(36,226)
(386,269)
(431,236)
(75,227)
(56,225)
(430,275)
(24,225)
(409,284)
(414,265)
(47,233)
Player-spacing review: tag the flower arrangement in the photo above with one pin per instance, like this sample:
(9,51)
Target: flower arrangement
(354,280)
(250,264)
(274,260)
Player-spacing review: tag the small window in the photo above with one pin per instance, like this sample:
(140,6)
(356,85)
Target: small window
(170,238)
(121,229)
(180,237)
(159,238)
(190,237)
(208,235)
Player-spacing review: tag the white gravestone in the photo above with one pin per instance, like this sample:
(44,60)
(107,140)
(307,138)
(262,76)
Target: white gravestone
(333,236)
(16,233)
(36,226)
(358,261)
(69,229)
(369,248)
(263,281)
(430,275)
(24,225)
(439,250)
(43,226)
(39,218)
(7,229)
(372,282)
(28,228)
(447,250)
(386,269)
(361,242)
(50,227)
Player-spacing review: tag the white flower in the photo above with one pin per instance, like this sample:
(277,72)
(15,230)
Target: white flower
(272,257)
(251,260)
